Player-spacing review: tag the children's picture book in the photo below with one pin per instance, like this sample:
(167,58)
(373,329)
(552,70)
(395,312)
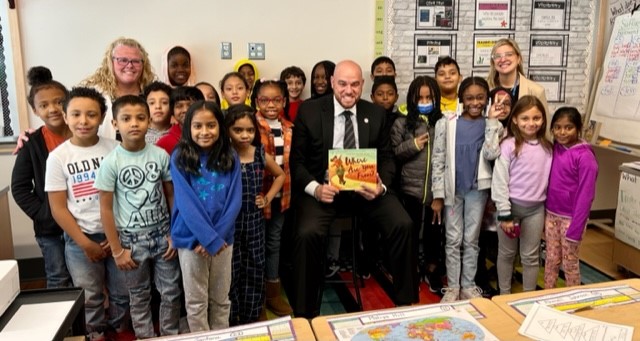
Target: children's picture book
(592,131)
(351,168)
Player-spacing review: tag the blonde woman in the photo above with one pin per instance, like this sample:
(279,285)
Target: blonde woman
(506,71)
(125,70)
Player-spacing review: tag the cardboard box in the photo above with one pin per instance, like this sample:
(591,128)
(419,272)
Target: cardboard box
(626,256)
(9,283)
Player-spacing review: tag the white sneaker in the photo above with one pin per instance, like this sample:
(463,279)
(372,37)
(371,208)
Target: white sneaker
(469,293)
(332,269)
(450,295)
(96,336)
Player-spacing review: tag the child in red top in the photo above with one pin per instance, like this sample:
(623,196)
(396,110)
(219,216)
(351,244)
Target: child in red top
(296,80)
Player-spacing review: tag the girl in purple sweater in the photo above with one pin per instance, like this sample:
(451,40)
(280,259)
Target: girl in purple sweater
(519,189)
(572,187)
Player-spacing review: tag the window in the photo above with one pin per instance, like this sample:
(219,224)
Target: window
(9,122)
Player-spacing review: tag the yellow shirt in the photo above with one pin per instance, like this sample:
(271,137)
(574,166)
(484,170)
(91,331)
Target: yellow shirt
(448,105)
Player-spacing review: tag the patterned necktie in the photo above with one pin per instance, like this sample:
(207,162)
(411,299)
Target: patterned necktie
(349,135)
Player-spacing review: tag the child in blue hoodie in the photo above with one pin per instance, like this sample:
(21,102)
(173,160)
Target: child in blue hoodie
(208,194)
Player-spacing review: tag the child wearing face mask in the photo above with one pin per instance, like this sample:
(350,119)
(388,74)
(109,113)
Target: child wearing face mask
(412,140)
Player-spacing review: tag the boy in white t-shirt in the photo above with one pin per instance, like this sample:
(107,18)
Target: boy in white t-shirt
(71,171)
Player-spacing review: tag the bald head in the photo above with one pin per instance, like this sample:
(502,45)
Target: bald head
(347,83)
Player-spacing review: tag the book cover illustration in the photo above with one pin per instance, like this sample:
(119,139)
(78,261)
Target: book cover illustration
(351,168)
(592,131)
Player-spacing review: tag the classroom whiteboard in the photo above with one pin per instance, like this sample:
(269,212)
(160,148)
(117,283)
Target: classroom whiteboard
(617,103)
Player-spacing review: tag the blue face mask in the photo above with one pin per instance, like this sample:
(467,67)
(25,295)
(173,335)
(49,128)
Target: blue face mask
(425,109)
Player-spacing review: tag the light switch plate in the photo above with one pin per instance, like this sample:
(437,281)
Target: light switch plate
(225,50)
(256,51)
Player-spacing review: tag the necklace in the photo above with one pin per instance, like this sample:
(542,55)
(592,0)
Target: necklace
(532,142)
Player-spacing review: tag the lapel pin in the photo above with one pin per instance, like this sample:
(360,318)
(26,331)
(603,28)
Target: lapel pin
(366,120)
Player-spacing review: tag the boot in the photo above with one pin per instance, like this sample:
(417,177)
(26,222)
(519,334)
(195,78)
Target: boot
(275,302)
(263,313)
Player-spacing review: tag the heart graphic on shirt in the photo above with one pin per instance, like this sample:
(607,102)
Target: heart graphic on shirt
(137,197)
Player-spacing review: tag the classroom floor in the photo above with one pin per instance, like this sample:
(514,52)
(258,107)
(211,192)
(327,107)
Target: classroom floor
(596,266)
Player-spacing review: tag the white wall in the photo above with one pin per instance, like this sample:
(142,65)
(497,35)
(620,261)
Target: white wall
(70,37)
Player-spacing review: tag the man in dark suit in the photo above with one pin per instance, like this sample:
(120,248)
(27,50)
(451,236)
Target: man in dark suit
(322,124)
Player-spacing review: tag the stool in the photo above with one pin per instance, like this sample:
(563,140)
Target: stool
(355,246)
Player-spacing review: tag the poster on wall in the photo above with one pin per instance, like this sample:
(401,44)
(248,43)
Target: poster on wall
(548,50)
(430,73)
(482,46)
(427,48)
(494,15)
(550,14)
(436,14)
(553,82)
(482,73)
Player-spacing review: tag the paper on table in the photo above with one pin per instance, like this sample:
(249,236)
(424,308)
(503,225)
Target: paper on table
(544,323)
(634,165)
(403,325)
(277,329)
(40,319)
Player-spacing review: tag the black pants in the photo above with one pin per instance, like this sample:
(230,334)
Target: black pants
(432,236)
(312,220)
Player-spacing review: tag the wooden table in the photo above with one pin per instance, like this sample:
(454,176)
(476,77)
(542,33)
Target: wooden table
(626,314)
(495,320)
(301,328)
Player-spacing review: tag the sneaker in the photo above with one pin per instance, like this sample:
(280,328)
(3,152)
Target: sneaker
(96,336)
(488,291)
(364,274)
(434,281)
(364,268)
(332,269)
(469,293)
(450,295)
(123,335)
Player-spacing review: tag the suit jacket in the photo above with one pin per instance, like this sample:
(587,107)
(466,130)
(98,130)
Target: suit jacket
(313,137)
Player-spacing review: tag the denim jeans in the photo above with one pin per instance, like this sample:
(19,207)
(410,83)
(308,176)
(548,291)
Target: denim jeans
(55,266)
(92,277)
(462,222)
(147,249)
(272,241)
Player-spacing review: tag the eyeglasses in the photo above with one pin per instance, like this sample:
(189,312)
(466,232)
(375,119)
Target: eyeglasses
(265,100)
(125,61)
(498,56)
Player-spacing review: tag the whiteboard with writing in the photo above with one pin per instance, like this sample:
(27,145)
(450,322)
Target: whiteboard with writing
(627,218)
(617,103)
